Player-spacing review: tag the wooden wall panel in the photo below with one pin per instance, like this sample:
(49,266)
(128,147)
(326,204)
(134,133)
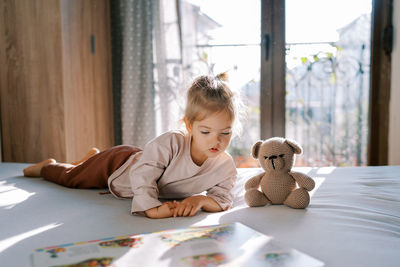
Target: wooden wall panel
(56,95)
(30,80)
(78,91)
(102,78)
(87,76)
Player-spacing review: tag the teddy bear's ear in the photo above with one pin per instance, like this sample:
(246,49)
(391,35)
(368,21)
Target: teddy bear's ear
(255,149)
(297,149)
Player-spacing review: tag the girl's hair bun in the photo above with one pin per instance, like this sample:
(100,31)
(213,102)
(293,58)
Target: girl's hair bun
(223,76)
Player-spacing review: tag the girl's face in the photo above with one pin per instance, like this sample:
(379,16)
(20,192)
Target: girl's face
(210,136)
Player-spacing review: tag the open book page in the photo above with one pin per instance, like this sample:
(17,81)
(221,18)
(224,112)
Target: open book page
(219,245)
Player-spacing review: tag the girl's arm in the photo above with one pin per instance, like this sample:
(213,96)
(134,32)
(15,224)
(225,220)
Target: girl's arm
(189,206)
(218,198)
(144,175)
(164,211)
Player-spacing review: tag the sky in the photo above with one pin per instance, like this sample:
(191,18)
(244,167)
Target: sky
(318,20)
(306,20)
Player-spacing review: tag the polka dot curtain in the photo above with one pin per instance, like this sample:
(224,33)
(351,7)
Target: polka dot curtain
(137,91)
(147,83)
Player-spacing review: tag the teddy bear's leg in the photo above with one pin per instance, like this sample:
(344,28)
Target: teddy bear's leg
(298,199)
(255,198)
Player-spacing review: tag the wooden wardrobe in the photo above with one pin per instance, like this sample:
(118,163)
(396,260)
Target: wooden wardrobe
(55,79)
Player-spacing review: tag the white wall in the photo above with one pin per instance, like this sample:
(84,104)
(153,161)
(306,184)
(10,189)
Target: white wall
(394,119)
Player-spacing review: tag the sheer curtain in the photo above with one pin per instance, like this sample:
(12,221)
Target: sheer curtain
(168,67)
(148,80)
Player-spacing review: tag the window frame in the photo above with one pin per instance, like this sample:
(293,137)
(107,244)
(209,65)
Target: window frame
(272,77)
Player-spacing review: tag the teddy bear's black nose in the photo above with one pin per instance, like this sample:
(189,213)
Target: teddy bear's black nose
(273,157)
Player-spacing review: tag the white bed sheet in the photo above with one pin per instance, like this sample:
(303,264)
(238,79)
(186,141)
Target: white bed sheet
(353,218)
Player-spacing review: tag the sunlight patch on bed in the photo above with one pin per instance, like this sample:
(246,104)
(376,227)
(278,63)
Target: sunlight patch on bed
(304,170)
(208,219)
(326,170)
(318,182)
(11,195)
(8,242)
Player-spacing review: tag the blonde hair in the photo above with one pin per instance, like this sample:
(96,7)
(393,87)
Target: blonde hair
(208,95)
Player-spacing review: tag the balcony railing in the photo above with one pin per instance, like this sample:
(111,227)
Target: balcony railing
(327,90)
(327,104)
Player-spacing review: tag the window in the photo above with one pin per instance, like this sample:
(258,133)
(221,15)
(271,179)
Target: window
(315,90)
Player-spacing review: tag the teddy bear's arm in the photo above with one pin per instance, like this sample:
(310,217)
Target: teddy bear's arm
(303,180)
(254,182)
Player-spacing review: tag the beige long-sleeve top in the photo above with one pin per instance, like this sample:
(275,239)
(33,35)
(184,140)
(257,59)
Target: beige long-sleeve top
(165,169)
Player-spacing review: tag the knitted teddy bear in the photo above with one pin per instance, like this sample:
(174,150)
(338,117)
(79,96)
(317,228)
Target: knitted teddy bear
(278,183)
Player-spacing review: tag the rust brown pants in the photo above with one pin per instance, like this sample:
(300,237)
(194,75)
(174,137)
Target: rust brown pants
(92,173)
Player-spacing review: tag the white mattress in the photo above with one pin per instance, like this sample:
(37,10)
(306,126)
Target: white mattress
(353,218)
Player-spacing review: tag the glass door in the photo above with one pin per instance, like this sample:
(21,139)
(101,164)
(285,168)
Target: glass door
(224,35)
(317,50)
(327,79)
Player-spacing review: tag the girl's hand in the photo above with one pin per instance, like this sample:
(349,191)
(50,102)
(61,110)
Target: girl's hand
(189,206)
(164,211)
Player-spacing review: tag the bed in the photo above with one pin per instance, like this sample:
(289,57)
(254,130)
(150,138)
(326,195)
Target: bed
(353,218)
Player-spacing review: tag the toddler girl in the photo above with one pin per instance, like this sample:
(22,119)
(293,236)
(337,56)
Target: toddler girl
(175,165)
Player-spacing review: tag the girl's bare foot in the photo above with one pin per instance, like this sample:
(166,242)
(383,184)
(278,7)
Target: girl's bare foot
(91,153)
(34,170)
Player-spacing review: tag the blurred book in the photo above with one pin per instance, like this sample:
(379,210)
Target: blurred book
(232,244)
